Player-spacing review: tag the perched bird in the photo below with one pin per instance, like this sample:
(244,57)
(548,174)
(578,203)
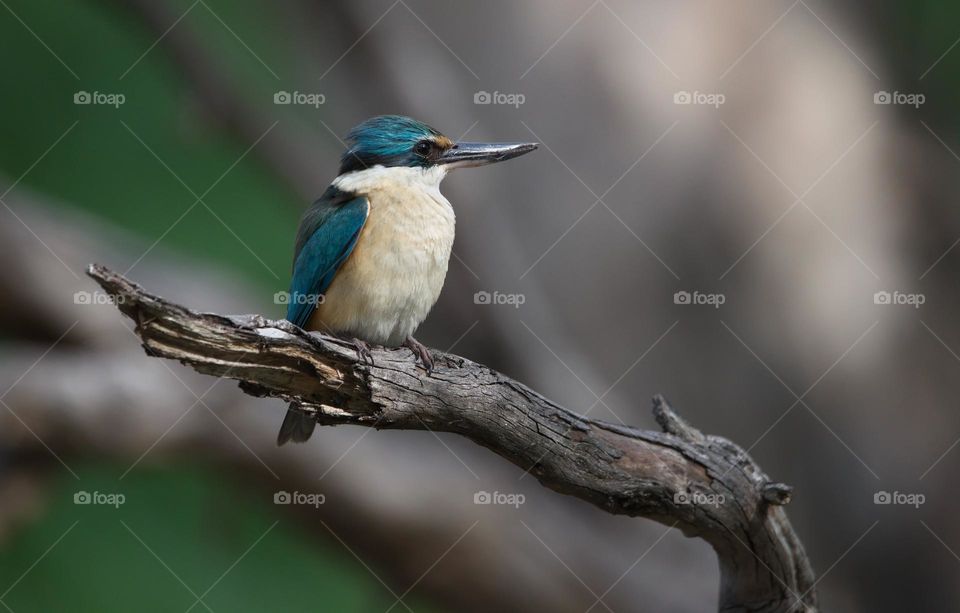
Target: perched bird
(371,254)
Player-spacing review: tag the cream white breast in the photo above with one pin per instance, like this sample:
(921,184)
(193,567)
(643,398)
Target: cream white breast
(393,278)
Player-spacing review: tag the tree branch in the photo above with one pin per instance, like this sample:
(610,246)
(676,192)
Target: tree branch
(704,485)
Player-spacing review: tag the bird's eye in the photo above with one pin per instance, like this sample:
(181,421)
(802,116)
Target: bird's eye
(423,148)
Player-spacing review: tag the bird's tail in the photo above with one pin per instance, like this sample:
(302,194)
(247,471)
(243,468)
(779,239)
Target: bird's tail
(297,427)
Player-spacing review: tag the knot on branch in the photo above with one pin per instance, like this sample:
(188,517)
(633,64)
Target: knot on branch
(777,493)
(671,423)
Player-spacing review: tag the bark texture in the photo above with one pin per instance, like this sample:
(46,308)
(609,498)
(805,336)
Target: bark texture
(706,486)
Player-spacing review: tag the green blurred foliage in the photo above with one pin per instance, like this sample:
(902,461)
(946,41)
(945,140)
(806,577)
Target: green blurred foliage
(195,530)
(920,42)
(102,166)
(194,521)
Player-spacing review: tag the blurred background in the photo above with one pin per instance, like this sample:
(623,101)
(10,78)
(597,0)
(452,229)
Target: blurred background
(750,207)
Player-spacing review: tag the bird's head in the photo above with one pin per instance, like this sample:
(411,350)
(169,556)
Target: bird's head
(393,140)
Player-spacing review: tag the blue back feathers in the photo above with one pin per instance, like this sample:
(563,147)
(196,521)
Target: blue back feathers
(328,233)
(387,140)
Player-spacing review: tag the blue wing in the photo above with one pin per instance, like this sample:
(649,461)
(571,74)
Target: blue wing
(328,233)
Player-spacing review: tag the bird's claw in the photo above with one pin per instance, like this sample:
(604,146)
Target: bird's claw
(421,353)
(363,351)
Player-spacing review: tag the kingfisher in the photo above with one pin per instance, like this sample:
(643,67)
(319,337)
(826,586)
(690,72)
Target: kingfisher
(372,252)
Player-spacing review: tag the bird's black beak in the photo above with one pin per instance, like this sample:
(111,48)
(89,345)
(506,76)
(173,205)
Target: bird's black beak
(463,155)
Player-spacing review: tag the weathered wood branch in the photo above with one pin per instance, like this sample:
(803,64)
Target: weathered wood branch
(704,485)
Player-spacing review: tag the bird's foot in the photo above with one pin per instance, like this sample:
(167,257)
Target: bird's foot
(363,350)
(420,352)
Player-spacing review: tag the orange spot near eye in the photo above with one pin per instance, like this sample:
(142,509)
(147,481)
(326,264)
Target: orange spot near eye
(443,142)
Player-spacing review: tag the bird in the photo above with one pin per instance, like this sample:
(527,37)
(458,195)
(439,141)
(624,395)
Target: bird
(371,253)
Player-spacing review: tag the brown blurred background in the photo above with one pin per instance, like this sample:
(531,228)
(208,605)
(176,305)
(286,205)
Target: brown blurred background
(793,161)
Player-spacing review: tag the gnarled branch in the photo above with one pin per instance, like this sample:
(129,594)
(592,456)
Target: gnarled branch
(704,485)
